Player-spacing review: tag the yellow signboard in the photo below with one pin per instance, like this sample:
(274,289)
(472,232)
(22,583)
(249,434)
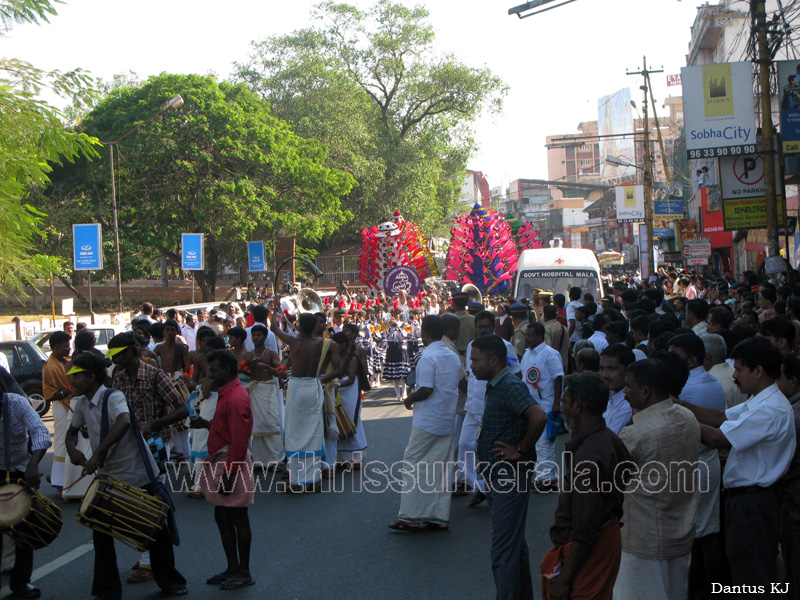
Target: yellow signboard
(718,90)
(749,213)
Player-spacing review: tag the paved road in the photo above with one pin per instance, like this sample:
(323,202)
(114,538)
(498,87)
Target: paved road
(317,546)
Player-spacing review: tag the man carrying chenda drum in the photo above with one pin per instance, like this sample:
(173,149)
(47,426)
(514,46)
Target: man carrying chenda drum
(124,462)
(23,424)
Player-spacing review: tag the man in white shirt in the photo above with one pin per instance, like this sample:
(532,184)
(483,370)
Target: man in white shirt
(696,313)
(613,362)
(543,372)
(598,338)
(261,316)
(430,446)
(189,332)
(760,436)
(476,399)
(572,325)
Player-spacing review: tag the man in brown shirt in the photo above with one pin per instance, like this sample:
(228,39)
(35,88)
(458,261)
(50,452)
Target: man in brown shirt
(56,389)
(586,531)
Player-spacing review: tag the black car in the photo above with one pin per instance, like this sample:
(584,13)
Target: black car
(26,361)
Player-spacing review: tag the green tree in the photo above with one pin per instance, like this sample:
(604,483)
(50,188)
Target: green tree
(33,139)
(393,111)
(221,165)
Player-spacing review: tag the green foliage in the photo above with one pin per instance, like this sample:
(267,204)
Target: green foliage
(32,139)
(392,111)
(221,165)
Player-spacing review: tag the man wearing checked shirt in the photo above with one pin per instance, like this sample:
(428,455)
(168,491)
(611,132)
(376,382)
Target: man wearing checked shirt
(512,422)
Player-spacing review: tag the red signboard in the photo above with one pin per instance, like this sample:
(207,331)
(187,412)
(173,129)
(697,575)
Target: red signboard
(674,79)
(713,226)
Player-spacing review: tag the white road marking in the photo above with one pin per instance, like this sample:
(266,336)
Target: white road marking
(45,570)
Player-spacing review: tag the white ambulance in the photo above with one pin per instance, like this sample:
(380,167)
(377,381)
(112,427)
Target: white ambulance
(556,270)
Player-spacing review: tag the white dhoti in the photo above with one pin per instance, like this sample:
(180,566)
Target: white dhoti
(266,443)
(708,493)
(199,449)
(305,439)
(61,419)
(426,480)
(352,449)
(466,451)
(652,579)
(178,446)
(73,473)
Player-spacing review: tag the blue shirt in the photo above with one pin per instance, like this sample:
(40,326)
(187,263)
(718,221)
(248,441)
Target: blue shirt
(703,389)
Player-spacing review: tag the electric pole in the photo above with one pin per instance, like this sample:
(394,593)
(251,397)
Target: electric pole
(648,175)
(759,15)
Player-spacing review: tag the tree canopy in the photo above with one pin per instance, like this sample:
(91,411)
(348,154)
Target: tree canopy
(32,139)
(221,165)
(392,110)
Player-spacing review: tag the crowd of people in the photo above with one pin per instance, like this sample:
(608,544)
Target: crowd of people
(680,477)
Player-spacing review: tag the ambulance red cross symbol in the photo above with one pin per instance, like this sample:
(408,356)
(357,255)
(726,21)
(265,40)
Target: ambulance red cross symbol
(559,261)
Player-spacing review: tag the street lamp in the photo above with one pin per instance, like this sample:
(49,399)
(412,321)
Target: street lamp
(648,209)
(174,102)
(532,6)
(314,269)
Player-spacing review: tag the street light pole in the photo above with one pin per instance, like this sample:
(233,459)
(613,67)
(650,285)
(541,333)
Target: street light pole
(116,228)
(174,102)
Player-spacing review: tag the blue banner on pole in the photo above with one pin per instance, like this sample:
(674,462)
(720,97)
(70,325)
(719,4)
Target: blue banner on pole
(87,247)
(192,251)
(255,251)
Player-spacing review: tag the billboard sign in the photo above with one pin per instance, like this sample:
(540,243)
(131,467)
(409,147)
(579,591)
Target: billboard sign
(673,80)
(665,207)
(790,105)
(630,203)
(192,251)
(87,247)
(402,279)
(697,247)
(615,117)
(255,253)
(743,203)
(718,110)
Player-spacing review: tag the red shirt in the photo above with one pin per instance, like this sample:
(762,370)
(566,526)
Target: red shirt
(232,424)
(562,316)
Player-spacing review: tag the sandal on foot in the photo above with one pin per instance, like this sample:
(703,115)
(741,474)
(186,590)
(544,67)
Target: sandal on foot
(404,526)
(217,579)
(178,590)
(140,577)
(27,591)
(234,583)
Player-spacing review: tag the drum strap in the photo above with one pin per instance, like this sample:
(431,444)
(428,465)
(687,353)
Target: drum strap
(6,437)
(104,423)
(159,489)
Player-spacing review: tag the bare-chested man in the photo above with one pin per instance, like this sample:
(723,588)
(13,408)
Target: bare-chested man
(304,438)
(203,401)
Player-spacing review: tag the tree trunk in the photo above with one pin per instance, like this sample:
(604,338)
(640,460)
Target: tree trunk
(207,279)
(72,289)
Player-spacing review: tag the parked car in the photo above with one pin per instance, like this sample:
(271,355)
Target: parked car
(102,335)
(26,361)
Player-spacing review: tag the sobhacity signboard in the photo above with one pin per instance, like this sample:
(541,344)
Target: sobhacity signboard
(718,110)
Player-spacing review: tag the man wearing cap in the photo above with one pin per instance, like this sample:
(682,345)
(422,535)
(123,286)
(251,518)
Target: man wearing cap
(474,308)
(339,316)
(120,456)
(154,398)
(519,316)
(466,332)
